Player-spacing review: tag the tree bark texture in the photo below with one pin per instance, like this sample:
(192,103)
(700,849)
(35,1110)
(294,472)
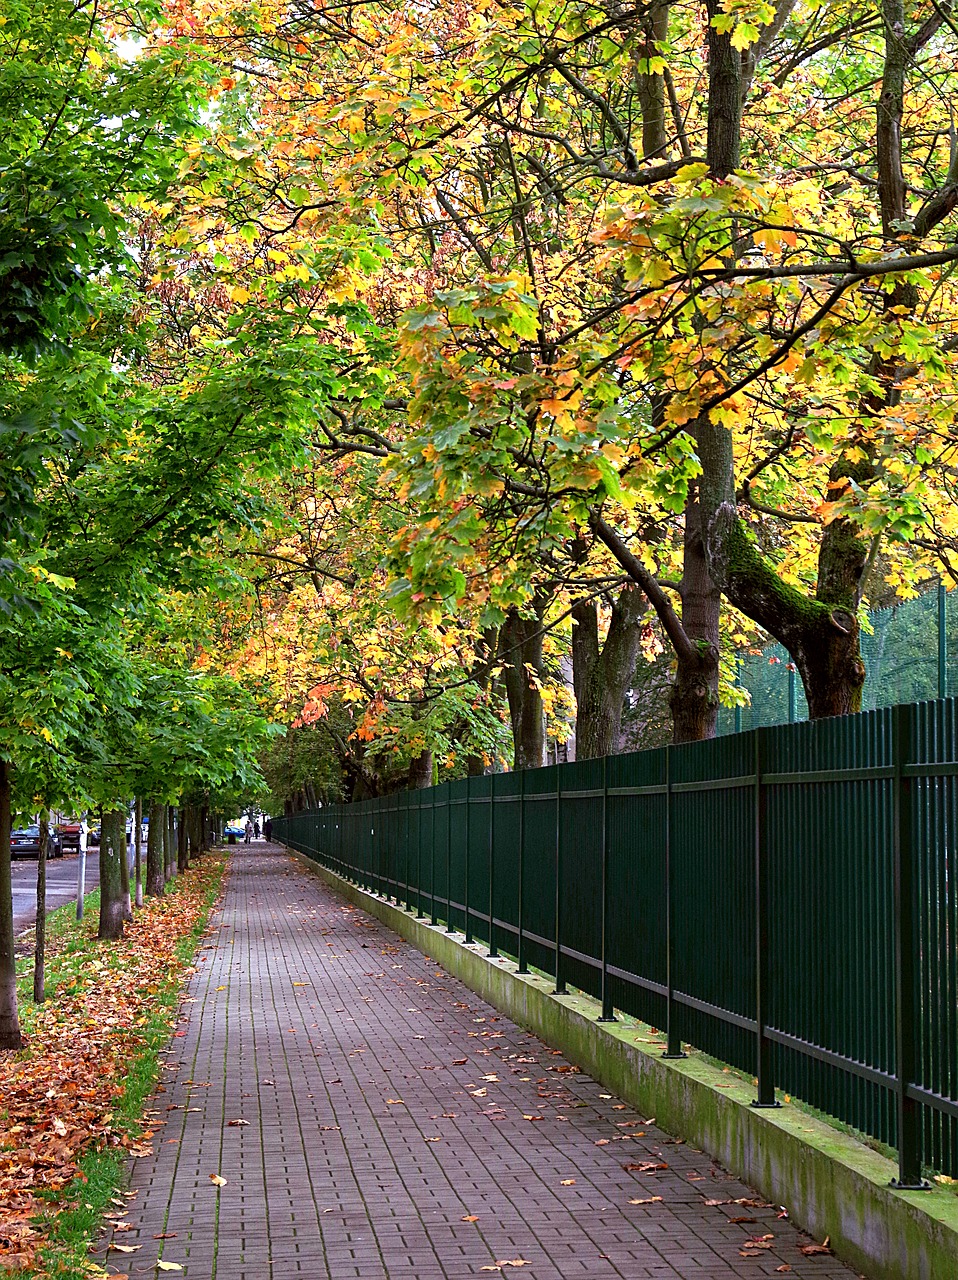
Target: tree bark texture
(112,855)
(169,844)
(40,928)
(520,651)
(420,771)
(693,700)
(155,878)
(138,850)
(10,1037)
(182,842)
(601,675)
(125,875)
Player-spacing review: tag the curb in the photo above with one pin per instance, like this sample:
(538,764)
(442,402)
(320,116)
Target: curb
(831,1184)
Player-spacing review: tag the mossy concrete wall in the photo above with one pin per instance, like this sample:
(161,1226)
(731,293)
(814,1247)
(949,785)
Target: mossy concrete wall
(831,1184)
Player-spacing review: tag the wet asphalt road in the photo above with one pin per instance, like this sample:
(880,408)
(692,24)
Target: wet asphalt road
(61,884)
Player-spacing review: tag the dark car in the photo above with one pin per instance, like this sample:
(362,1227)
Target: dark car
(25,843)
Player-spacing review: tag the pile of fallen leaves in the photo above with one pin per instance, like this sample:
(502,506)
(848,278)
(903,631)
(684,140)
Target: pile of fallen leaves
(58,1094)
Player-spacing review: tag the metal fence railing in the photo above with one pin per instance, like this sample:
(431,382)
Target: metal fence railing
(784,899)
(910,651)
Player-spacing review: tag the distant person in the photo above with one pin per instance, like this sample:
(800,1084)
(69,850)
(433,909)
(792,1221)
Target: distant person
(268,830)
(247,832)
(256,829)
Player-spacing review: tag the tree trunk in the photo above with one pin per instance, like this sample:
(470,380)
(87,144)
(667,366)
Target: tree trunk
(520,651)
(125,876)
(10,1037)
(205,828)
(182,843)
(694,701)
(420,771)
(40,929)
(138,849)
(601,676)
(169,844)
(650,90)
(112,855)
(155,879)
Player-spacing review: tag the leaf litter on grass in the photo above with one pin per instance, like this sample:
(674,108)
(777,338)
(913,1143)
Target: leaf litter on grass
(62,1090)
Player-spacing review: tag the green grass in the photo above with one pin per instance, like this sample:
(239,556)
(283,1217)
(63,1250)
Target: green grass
(80,1208)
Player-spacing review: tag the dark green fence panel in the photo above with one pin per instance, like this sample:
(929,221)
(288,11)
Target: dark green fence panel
(936,929)
(830,844)
(581,874)
(539,863)
(637,889)
(479,829)
(712,877)
(784,899)
(505,872)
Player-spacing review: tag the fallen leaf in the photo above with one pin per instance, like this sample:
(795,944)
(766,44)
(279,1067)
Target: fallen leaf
(650,1200)
(471,1217)
(233,1124)
(395,1102)
(810,1250)
(168,1266)
(602,1142)
(784,1267)
(217,1181)
(567,1182)
(525,1117)
(125,1248)
(166,1235)
(738,1220)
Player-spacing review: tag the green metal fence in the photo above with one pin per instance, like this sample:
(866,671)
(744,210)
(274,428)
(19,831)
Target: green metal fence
(783,898)
(910,652)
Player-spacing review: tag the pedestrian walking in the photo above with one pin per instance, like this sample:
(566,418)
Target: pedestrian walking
(268,829)
(247,832)
(256,829)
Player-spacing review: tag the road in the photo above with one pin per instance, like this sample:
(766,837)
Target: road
(61,884)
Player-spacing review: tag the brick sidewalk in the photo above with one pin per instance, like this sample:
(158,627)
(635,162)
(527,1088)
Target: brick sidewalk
(397,1126)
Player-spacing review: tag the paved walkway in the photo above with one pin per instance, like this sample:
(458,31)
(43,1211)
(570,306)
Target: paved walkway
(393,1125)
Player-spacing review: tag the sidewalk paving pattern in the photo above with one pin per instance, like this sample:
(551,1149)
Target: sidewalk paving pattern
(396,1126)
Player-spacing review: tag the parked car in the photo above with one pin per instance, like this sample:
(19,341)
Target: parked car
(25,843)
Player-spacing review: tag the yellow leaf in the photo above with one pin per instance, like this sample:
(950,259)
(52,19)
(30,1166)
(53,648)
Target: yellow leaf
(168,1266)
(217,1181)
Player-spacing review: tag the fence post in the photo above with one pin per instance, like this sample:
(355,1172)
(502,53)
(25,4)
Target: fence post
(420,914)
(792,694)
(432,858)
(449,928)
(607,1014)
(523,964)
(493,949)
(909,1113)
(942,639)
(560,980)
(673,1048)
(764,1073)
(467,921)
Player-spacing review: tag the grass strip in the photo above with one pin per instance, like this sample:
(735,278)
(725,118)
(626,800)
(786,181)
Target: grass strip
(112,1006)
